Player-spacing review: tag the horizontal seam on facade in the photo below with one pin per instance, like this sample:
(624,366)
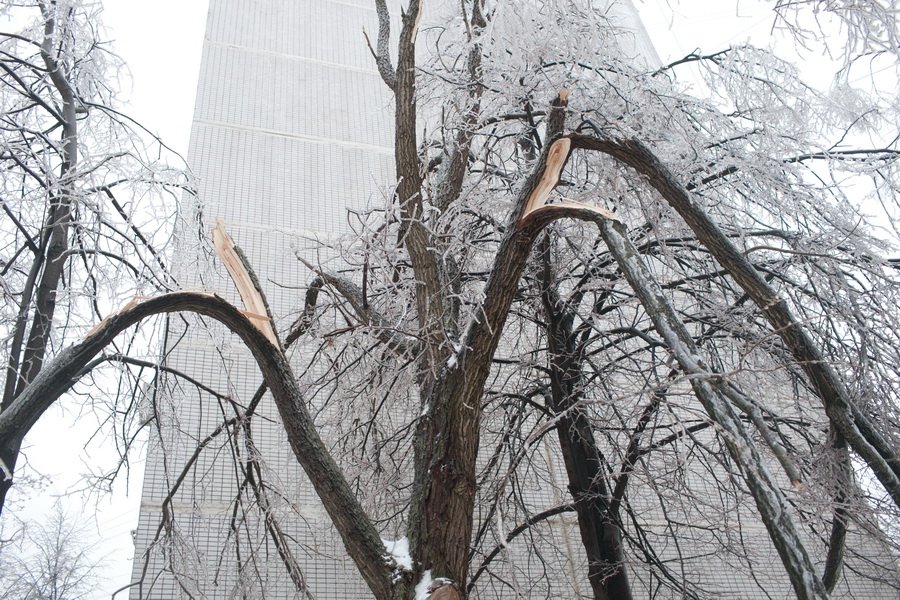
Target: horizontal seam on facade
(294,57)
(387,151)
(360,6)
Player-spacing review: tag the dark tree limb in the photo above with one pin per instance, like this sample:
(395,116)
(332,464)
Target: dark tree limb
(516,532)
(356,530)
(834,560)
(597,523)
(395,340)
(855,425)
(772,507)
(383,53)
(26,354)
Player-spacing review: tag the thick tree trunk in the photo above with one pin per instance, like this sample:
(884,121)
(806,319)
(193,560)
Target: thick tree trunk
(599,528)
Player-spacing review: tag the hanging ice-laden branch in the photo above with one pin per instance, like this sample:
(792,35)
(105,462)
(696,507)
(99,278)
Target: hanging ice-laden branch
(359,535)
(70,244)
(369,316)
(770,502)
(852,422)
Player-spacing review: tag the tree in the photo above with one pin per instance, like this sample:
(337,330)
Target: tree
(78,182)
(50,562)
(703,289)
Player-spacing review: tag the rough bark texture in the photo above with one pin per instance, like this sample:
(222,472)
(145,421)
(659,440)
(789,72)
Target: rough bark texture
(447,437)
(834,560)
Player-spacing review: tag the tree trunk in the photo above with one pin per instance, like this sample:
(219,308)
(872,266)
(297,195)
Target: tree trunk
(25,362)
(598,525)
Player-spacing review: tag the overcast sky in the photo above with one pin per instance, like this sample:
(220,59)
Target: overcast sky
(161,41)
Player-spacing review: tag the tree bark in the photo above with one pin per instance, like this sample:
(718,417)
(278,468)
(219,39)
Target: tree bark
(447,438)
(25,361)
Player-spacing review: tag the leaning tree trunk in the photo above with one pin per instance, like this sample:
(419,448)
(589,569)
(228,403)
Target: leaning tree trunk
(772,506)
(857,428)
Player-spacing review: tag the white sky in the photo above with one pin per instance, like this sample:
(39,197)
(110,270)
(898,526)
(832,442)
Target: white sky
(161,41)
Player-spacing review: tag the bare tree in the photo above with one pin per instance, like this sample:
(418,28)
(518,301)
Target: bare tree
(704,304)
(78,183)
(48,561)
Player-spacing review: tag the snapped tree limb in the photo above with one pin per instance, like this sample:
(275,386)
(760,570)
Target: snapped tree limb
(356,530)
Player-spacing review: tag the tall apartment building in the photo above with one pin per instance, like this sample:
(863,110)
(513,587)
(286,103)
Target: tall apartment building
(292,127)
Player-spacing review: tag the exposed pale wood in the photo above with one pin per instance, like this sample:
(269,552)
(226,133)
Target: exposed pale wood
(556,160)
(446,591)
(572,204)
(417,19)
(256,307)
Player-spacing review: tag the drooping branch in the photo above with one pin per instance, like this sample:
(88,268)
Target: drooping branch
(769,501)
(383,53)
(854,424)
(517,530)
(253,477)
(368,315)
(58,375)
